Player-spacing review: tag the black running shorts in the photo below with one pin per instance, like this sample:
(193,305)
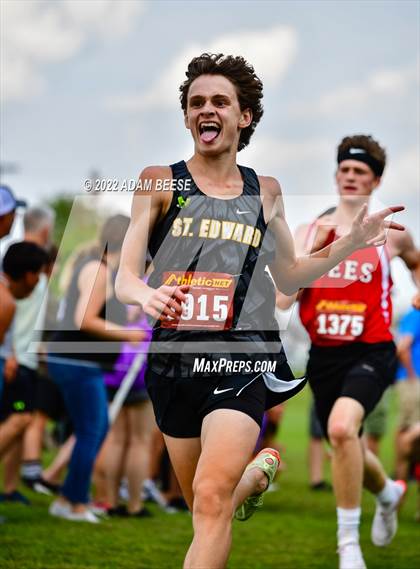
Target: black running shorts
(180,404)
(19,395)
(48,398)
(359,370)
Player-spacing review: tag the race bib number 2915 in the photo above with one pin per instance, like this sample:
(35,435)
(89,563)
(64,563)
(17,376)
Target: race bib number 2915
(209,304)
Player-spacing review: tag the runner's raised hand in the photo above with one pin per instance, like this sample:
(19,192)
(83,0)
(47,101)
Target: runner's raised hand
(371,230)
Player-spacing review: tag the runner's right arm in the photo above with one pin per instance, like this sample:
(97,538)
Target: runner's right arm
(309,238)
(147,210)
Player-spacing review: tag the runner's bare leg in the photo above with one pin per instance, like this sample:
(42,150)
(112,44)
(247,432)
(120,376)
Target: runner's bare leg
(228,440)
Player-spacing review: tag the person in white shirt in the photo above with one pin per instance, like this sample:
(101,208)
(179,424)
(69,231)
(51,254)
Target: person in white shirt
(28,322)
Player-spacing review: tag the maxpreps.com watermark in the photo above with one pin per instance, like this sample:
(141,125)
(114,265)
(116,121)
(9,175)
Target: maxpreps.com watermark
(132,185)
(225,366)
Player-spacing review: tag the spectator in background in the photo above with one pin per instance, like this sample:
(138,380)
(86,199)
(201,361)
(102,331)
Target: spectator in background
(49,404)
(409,454)
(38,224)
(22,265)
(376,423)
(270,429)
(408,385)
(8,206)
(317,453)
(91,314)
(126,450)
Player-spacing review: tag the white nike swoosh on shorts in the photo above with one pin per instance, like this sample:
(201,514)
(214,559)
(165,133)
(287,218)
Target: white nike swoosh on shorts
(217,390)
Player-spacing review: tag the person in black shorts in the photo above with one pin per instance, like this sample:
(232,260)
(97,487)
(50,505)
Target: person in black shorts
(211,236)
(22,265)
(85,344)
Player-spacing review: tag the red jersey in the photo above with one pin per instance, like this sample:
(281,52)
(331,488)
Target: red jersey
(352,302)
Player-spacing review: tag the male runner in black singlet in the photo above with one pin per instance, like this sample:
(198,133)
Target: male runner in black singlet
(214,303)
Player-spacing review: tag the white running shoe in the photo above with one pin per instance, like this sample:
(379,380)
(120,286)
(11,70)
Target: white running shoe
(385,522)
(351,556)
(267,460)
(58,509)
(151,492)
(86,516)
(41,489)
(63,511)
(123,490)
(98,509)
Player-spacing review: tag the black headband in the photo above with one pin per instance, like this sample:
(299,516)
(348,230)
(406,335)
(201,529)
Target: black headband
(362,156)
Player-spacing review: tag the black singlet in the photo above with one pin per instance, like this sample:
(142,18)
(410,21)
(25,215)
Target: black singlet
(200,234)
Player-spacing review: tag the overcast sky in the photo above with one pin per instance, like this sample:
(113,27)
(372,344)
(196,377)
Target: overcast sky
(94,85)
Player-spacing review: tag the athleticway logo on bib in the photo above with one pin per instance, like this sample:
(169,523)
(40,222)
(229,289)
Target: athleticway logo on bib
(216,280)
(209,304)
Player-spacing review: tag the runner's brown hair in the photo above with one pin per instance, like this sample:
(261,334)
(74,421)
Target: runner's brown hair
(367,143)
(249,87)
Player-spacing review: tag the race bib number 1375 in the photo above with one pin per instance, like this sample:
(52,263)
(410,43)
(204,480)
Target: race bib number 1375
(340,320)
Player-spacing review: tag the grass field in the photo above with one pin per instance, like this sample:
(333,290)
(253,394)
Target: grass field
(294,530)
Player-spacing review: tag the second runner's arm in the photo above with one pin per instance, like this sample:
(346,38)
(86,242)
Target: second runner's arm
(291,272)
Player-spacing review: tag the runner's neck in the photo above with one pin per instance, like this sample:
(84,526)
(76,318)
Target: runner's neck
(345,213)
(219,174)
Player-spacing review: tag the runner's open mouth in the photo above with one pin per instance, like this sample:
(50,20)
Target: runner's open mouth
(209,131)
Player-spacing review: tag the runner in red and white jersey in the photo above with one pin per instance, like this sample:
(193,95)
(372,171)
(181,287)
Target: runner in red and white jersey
(352,302)
(347,313)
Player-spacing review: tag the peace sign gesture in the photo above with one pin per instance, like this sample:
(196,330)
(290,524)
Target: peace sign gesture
(371,230)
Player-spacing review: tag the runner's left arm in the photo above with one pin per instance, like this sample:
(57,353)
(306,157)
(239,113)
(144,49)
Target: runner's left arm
(284,302)
(291,272)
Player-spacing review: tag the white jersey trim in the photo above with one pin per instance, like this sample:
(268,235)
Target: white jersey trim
(386,284)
